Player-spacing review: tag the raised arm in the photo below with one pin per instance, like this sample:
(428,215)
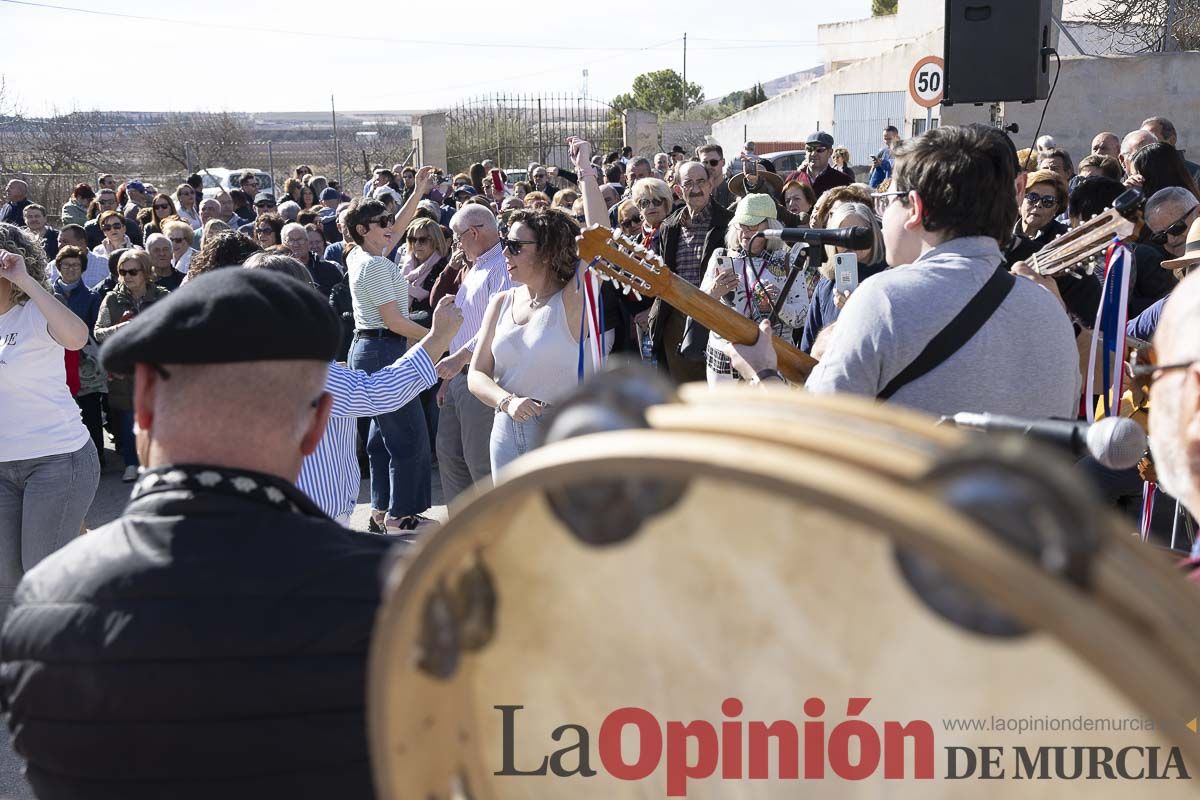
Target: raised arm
(423,183)
(61,323)
(595,212)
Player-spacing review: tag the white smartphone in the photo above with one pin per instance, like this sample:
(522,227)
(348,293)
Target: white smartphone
(845,272)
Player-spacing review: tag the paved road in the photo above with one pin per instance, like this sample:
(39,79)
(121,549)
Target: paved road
(111,497)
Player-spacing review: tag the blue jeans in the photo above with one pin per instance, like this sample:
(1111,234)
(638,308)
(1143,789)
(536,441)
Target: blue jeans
(128,444)
(511,439)
(398,443)
(43,502)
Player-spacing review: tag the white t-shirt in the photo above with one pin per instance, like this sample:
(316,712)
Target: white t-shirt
(40,417)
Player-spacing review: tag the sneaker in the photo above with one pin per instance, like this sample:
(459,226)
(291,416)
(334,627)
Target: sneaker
(131,474)
(408,525)
(375,522)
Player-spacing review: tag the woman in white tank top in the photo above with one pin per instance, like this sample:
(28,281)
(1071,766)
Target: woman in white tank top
(527,355)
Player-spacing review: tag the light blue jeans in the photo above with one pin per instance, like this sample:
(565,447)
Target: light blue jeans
(511,439)
(42,505)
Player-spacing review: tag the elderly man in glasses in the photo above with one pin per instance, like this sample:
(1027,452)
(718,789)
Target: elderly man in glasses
(816,170)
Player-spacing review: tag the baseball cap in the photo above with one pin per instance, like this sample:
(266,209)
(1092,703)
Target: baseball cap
(137,186)
(754,208)
(819,137)
(469,190)
(264,197)
(329,193)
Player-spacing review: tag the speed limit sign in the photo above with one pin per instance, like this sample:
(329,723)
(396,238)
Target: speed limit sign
(927,82)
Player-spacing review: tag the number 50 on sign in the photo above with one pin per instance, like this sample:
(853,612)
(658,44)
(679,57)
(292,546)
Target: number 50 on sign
(927,82)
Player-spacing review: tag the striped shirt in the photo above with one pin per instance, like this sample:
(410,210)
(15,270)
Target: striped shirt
(374,281)
(330,476)
(486,277)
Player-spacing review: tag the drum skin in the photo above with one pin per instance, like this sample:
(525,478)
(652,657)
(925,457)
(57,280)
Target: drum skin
(772,580)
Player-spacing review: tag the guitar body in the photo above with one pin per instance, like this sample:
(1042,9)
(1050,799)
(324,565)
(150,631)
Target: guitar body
(624,261)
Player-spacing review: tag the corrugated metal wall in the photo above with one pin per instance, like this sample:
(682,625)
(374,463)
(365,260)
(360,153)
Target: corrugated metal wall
(859,120)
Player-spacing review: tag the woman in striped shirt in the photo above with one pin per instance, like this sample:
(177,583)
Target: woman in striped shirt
(398,445)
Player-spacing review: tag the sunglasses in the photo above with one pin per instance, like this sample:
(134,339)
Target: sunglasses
(125,272)
(514,246)
(1176,228)
(631,222)
(264,230)
(419,239)
(384,222)
(1143,365)
(1044,200)
(816,149)
(161,208)
(116,226)
(178,240)
(656,202)
(712,162)
(108,202)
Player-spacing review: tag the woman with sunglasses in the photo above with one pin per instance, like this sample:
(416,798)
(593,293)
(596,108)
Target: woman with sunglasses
(268,230)
(398,443)
(186,207)
(1044,199)
(161,209)
(112,226)
(629,219)
(179,234)
(654,200)
(528,353)
(133,293)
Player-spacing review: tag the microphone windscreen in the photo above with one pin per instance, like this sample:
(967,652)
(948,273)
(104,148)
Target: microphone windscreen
(1116,442)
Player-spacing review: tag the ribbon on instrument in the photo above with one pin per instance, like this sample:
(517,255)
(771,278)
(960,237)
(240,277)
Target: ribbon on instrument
(591,321)
(1149,490)
(1108,333)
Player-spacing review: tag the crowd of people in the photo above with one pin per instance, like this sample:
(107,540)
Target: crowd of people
(437,318)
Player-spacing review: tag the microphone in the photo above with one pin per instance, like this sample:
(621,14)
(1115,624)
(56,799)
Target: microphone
(857,238)
(1115,442)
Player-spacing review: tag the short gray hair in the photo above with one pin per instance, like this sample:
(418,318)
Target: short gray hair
(291,226)
(155,238)
(279,263)
(473,215)
(289,210)
(1171,195)
(842,210)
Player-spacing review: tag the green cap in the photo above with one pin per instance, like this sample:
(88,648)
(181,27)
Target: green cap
(754,208)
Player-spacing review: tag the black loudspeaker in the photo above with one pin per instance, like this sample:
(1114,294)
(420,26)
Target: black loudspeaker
(994,51)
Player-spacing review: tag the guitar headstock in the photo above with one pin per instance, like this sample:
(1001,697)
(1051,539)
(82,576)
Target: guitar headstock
(621,259)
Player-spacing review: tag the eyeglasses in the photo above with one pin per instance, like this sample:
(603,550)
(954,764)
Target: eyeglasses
(127,272)
(1143,364)
(108,201)
(458,235)
(419,239)
(269,231)
(264,206)
(1176,228)
(1044,200)
(656,202)
(514,246)
(178,239)
(115,226)
(816,150)
(158,207)
(885,199)
(694,184)
(631,222)
(712,162)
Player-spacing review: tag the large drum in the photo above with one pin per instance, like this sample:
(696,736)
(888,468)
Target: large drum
(778,595)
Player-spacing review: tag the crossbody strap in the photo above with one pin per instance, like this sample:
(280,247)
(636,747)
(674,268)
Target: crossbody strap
(958,332)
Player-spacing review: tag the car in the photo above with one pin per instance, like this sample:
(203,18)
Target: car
(515,174)
(785,161)
(217,179)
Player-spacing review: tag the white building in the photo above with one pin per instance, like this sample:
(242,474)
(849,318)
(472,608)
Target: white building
(865,85)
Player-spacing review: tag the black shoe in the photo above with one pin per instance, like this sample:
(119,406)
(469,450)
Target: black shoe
(373,525)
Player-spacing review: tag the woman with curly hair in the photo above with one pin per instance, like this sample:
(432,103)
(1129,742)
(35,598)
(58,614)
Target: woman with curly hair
(221,249)
(49,467)
(527,355)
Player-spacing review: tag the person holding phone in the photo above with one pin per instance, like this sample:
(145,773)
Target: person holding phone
(827,299)
(748,275)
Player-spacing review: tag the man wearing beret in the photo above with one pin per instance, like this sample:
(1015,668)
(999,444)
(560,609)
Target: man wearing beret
(211,641)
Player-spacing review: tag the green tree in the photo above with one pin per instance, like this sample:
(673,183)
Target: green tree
(755,96)
(882,8)
(661,91)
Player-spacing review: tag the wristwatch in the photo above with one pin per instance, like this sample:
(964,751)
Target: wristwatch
(766,375)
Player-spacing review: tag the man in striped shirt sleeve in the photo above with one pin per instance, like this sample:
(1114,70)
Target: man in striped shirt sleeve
(331,476)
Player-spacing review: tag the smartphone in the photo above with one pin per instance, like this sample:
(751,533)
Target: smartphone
(497,181)
(845,272)
(750,167)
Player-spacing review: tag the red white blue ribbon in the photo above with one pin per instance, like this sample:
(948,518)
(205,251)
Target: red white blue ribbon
(1149,490)
(1108,334)
(591,324)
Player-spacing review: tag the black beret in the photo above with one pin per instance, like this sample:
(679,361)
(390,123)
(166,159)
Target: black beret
(226,316)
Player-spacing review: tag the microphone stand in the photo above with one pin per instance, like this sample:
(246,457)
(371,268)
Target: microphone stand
(814,257)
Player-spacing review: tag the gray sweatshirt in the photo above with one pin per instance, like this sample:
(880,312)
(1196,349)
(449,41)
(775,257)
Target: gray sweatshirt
(1022,362)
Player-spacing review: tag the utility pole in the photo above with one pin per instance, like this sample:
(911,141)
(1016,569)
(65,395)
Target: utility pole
(1169,42)
(685,97)
(337,147)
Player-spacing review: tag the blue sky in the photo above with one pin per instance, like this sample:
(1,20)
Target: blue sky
(292,56)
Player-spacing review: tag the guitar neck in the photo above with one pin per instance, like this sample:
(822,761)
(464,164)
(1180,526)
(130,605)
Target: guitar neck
(794,364)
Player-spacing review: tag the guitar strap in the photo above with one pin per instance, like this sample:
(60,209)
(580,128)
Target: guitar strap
(950,339)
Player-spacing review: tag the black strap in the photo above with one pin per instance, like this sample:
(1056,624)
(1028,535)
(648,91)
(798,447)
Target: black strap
(958,332)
